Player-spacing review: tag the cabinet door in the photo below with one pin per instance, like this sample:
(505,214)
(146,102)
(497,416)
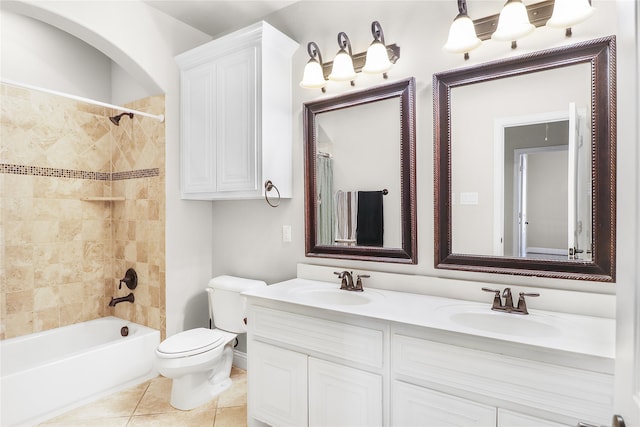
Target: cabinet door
(277,386)
(197,132)
(236,121)
(412,405)
(514,419)
(343,396)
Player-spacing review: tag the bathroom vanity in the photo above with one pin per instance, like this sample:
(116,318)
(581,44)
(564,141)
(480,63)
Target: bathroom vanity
(321,356)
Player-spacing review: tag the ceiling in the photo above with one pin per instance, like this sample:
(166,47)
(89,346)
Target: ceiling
(216,17)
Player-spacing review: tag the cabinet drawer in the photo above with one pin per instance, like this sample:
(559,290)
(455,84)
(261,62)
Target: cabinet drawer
(413,404)
(319,336)
(581,394)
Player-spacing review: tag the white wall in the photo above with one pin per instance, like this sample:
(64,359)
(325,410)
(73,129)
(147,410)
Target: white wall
(248,239)
(43,56)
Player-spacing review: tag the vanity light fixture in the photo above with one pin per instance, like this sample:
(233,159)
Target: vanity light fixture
(567,13)
(517,20)
(462,33)
(342,69)
(513,23)
(313,77)
(378,59)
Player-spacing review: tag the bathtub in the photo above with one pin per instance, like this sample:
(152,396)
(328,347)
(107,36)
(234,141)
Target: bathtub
(47,373)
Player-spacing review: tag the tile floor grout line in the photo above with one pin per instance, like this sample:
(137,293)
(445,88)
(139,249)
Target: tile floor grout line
(131,415)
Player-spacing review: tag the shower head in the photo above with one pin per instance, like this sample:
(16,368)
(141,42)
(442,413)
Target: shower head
(116,119)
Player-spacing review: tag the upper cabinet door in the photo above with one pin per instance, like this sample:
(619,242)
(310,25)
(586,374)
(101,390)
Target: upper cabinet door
(197,107)
(236,137)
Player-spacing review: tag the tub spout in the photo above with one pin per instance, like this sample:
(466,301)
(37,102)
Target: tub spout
(114,301)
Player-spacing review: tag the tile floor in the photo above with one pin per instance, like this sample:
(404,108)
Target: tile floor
(148,405)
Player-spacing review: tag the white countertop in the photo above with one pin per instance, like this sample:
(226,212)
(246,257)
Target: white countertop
(578,334)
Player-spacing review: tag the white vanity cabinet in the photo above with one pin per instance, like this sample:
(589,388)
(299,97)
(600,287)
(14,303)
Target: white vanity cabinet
(320,356)
(236,115)
(313,371)
(458,385)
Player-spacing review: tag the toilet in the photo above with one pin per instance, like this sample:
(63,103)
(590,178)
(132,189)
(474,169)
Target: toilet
(199,360)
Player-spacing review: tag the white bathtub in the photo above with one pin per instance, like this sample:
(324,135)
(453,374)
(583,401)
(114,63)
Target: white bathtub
(50,372)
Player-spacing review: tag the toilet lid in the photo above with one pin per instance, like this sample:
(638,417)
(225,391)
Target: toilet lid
(191,342)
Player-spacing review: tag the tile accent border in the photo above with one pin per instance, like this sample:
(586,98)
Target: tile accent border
(70,173)
(140,173)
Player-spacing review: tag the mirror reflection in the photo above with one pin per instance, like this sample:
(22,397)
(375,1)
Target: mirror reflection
(360,197)
(532,195)
(358,200)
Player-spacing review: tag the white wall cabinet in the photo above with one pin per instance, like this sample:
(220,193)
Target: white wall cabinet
(236,115)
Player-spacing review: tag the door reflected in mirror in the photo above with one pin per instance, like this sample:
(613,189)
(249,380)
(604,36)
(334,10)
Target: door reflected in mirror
(533,199)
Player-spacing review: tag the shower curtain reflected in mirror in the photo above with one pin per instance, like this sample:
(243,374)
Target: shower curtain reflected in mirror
(325,199)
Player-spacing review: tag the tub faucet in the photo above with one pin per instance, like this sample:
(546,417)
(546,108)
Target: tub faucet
(114,301)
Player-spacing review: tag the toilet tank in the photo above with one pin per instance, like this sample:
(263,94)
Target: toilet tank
(226,306)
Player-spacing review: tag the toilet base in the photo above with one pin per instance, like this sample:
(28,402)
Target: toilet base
(191,391)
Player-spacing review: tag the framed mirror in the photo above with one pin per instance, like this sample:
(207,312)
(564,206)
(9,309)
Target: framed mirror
(525,164)
(360,175)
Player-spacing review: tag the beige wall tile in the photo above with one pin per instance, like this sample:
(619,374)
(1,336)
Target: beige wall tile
(61,253)
(18,324)
(46,319)
(20,301)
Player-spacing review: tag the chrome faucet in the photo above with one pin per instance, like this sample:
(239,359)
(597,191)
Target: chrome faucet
(128,298)
(508,307)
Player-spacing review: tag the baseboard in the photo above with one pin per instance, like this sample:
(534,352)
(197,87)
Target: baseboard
(240,359)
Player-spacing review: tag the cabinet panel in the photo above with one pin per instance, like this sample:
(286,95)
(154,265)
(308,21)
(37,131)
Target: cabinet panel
(342,396)
(413,405)
(513,419)
(199,171)
(277,390)
(237,142)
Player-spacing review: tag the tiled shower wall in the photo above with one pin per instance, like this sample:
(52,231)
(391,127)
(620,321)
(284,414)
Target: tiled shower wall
(61,254)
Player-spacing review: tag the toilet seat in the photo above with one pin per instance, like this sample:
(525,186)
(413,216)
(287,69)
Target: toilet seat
(190,343)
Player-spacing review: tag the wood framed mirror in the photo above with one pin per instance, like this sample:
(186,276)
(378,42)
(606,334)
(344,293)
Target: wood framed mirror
(360,175)
(525,164)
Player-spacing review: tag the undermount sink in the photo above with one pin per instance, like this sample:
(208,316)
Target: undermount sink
(336,296)
(484,319)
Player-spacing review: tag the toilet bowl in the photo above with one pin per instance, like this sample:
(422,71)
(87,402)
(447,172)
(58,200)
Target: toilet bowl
(199,360)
